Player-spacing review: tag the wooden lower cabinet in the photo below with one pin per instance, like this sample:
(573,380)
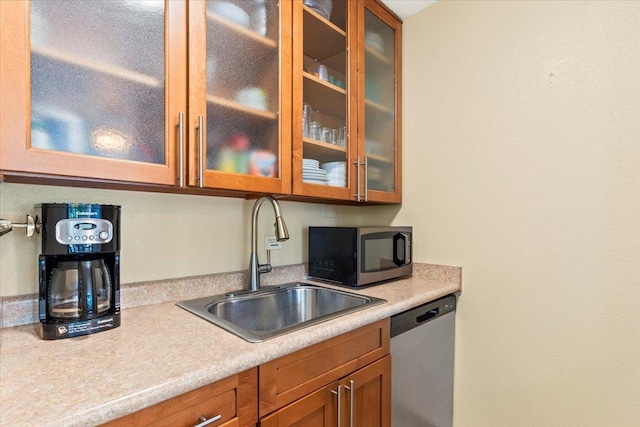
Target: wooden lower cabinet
(233,399)
(370,403)
(346,377)
(360,399)
(318,409)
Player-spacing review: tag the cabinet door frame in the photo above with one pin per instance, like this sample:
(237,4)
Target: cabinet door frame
(388,18)
(198,108)
(300,187)
(17,157)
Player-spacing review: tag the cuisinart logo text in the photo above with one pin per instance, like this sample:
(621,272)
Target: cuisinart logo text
(88,213)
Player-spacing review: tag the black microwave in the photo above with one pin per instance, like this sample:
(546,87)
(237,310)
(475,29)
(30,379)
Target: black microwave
(356,256)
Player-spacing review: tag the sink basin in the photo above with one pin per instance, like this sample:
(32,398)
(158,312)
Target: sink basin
(268,313)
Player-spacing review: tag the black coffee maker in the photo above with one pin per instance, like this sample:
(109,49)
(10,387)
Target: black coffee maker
(79,269)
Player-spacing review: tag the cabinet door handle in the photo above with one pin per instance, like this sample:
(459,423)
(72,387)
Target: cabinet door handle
(206,422)
(339,394)
(181,149)
(351,389)
(357,163)
(201,159)
(366,178)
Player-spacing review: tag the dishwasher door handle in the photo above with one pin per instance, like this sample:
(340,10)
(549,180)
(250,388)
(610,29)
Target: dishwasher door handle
(428,315)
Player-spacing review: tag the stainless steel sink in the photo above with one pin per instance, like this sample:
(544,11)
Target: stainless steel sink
(264,314)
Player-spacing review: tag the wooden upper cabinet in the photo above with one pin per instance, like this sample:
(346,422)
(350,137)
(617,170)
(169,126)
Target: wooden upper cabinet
(239,95)
(92,89)
(243,96)
(323,99)
(379,103)
(346,101)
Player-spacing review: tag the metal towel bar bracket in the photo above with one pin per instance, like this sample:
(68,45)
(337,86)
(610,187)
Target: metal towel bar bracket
(31,224)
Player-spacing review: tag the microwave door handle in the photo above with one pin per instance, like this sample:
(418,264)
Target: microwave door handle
(396,249)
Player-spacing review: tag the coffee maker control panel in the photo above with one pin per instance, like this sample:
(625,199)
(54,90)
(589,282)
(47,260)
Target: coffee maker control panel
(83,231)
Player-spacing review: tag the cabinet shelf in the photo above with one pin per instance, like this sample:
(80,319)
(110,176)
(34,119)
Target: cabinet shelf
(229,104)
(323,151)
(111,70)
(379,158)
(242,31)
(322,39)
(378,107)
(378,56)
(327,98)
(324,83)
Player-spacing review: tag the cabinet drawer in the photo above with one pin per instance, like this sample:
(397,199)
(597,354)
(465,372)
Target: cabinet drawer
(290,377)
(233,398)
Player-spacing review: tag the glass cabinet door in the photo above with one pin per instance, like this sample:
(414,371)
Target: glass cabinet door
(98,88)
(380,86)
(97,92)
(321,90)
(236,85)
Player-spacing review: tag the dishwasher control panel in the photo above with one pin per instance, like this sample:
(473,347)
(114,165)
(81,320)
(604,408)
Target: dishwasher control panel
(416,316)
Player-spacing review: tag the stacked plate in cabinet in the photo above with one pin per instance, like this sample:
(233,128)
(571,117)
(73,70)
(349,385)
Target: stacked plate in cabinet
(312,173)
(336,173)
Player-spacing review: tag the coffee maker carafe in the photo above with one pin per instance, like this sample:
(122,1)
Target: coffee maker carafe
(79,269)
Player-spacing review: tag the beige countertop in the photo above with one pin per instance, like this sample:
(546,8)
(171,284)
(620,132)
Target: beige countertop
(161,351)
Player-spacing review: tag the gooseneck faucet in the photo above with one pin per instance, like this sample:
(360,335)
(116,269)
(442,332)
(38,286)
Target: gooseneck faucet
(255,269)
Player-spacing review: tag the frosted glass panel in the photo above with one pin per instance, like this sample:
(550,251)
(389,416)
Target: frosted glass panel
(97,78)
(243,91)
(380,103)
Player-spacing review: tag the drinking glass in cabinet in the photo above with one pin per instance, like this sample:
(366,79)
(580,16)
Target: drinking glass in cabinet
(306,120)
(316,131)
(342,136)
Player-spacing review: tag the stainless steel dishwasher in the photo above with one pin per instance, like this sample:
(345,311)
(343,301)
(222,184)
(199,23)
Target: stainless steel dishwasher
(422,348)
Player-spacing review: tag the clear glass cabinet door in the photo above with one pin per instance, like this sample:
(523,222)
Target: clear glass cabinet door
(381,86)
(97,78)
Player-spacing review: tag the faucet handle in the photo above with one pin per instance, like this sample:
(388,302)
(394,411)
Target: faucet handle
(264,268)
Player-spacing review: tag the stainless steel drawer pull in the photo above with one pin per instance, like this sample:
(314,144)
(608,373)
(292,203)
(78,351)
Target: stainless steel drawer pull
(206,422)
(339,404)
(351,389)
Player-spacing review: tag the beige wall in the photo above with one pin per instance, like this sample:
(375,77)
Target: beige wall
(522,165)
(164,235)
